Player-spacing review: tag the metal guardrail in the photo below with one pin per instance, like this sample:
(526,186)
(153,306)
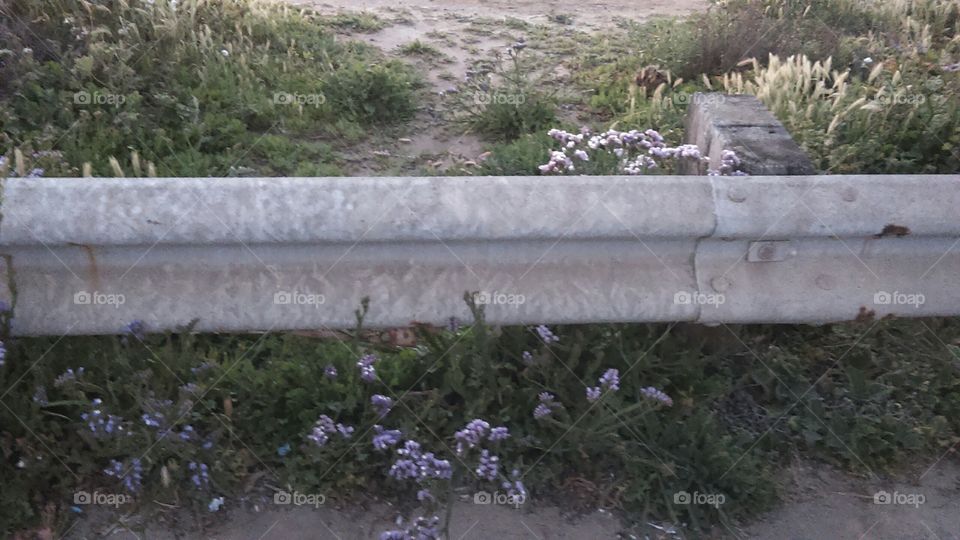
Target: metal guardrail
(87,256)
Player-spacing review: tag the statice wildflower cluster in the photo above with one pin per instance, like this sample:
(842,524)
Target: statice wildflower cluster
(152,420)
(385,438)
(527,358)
(610,380)
(546,335)
(657,395)
(382,404)
(3,354)
(637,151)
(546,406)
(102,425)
(325,427)
(421,529)
(68,376)
(414,464)
(367,372)
(132,478)
(514,486)
(199,474)
(489,466)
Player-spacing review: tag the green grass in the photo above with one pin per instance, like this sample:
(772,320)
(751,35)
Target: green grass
(194,90)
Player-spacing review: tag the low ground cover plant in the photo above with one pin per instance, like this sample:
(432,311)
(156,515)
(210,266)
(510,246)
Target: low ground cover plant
(617,416)
(195,87)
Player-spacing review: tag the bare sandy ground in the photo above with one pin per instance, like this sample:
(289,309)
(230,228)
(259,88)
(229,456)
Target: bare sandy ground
(594,13)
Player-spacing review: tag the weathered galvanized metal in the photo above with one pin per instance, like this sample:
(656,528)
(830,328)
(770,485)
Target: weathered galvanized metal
(87,256)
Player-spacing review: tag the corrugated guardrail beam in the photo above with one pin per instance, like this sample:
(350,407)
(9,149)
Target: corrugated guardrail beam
(85,256)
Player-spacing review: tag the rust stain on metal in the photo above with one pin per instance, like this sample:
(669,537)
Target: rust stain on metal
(893,230)
(94,270)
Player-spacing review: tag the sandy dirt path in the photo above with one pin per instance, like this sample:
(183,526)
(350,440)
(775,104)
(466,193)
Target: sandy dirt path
(587,12)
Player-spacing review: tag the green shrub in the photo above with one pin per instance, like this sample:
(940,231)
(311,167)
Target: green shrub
(504,99)
(191,85)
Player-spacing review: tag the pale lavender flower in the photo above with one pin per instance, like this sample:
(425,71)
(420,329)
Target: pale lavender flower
(325,426)
(330,371)
(498,434)
(541,410)
(382,404)
(546,335)
(515,488)
(132,477)
(367,372)
(470,436)
(385,438)
(610,380)
(489,466)
(424,495)
(67,376)
(200,474)
(527,358)
(657,395)
(593,393)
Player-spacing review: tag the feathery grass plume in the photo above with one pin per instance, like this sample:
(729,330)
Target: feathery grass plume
(135,159)
(151,170)
(115,166)
(87,170)
(19,163)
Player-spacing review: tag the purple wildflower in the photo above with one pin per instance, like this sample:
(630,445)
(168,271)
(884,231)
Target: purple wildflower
(3,353)
(657,395)
(515,488)
(132,477)
(541,410)
(367,372)
(186,433)
(546,335)
(546,406)
(67,376)
(320,434)
(382,404)
(330,372)
(471,435)
(135,329)
(498,434)
(102,425)
(152,420)
(527,358)
(385,438)
(593,394)
(200,476)
(610,380)
(424,495)
(489,466)
(419,466)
